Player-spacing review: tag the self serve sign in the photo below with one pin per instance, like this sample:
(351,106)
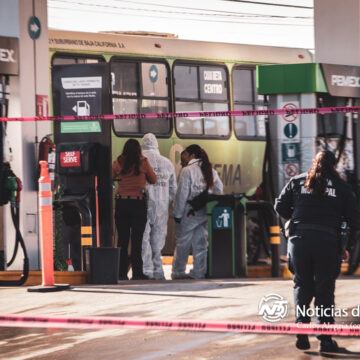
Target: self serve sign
(70,158)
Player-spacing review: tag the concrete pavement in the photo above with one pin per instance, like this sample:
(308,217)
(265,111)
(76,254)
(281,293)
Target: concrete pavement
(220,300)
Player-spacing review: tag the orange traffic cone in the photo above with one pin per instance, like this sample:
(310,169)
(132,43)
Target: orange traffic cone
(46,234)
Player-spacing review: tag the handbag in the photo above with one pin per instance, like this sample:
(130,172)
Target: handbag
(198,202)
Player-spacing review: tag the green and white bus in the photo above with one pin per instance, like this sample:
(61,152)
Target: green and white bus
(153,74)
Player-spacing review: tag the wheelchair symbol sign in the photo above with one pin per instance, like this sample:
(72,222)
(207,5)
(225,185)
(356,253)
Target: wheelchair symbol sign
(222,218)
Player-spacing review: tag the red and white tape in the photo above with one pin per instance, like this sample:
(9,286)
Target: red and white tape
(284,111)
(106,322)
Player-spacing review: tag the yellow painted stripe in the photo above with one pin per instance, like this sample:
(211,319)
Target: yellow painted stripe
(86,230)
(86,241)
(274,240)
(274,229)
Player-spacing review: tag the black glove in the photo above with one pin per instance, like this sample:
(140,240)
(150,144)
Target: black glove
(177,220)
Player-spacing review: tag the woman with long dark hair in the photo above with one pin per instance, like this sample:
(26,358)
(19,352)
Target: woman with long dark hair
(322,169)
(191,226)
(131,170)
(317,202)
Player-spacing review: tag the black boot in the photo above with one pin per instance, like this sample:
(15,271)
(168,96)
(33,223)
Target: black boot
(302,342)
(329,345)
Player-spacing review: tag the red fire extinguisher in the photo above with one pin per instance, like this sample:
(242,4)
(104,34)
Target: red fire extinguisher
(47,152)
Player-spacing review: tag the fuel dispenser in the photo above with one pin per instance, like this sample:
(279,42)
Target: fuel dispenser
(10,184)
(83,156)
(76,167)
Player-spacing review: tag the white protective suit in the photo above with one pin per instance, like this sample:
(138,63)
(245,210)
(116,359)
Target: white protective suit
(192,230)
(159,197)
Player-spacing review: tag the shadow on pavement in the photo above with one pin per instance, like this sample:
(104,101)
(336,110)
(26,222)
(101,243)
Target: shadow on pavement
(341,354)
(166,286)
(142,293)
(163,288)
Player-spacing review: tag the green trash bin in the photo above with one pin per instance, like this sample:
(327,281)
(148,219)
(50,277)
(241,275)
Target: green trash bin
(226,236)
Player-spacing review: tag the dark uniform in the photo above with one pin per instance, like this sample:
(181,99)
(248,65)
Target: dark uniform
(314,247)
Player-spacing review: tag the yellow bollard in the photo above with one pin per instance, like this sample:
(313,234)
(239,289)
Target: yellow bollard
(275,250)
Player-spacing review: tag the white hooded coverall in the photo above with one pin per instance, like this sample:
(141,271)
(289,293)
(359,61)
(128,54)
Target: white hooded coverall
(192,230)
(159,197)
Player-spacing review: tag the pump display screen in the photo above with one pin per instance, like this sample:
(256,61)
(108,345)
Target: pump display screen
(70,158)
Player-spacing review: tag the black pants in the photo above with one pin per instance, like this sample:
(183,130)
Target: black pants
(130,220)
(315,260)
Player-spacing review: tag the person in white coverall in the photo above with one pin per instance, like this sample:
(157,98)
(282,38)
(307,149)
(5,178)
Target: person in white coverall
(159,197)
(191,226)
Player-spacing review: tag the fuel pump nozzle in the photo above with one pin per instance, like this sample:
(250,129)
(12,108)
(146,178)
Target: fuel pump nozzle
(12,186)
(18,190)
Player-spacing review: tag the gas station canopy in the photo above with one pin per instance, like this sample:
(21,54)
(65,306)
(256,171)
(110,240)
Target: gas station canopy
(337,80)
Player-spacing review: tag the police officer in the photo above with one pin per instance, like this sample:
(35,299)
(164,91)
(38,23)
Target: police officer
(316,202)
